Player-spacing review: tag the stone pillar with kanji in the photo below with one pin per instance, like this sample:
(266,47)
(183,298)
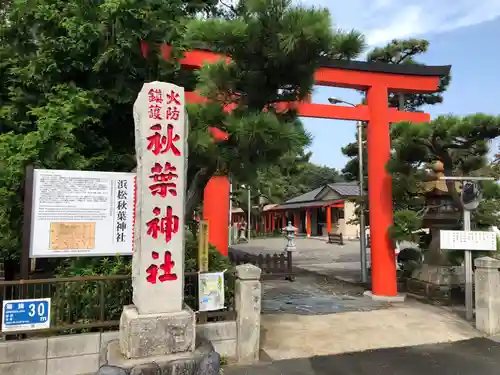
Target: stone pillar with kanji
(158,323)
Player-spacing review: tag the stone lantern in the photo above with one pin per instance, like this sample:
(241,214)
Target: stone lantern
(289,231)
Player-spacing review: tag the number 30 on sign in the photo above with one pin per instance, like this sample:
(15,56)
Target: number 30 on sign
(26,315)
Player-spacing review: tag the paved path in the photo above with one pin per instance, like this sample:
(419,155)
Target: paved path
(311,295)
(314,255)
(308,326)
(287,336)
(477,356)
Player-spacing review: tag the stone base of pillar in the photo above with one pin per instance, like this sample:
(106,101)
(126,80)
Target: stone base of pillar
(156,334)
(204,360)
(400,297)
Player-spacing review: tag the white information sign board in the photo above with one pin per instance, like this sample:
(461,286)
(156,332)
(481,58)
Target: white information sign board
(26,315)
(468,240)
(82,213)
(211,291)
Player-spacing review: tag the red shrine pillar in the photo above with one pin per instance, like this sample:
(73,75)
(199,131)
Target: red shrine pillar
(215,210)
(380,194)
(283,220)
(329,219)
(308,223)
(296,221)
(273,222)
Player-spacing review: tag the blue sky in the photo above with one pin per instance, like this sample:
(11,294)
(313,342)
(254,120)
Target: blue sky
(463,33)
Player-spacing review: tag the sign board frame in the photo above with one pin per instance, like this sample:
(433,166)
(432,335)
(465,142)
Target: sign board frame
(203,246)
(31,305)
(93,214)
(468,240)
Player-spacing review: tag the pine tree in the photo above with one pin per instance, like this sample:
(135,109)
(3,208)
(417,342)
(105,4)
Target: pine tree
(275,48)
(461,144)
(396,52)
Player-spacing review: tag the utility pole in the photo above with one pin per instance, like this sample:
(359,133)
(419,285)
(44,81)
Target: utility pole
(362,225)
(249,226)
(230,239)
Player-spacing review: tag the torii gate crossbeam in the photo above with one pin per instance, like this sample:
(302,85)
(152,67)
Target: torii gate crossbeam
(378,80)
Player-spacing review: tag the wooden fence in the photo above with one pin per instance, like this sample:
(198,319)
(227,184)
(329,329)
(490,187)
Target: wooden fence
(272,266)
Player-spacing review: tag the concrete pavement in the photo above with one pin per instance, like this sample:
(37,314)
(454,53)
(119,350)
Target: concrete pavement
(314,255)
(287,336)
(467,357)
(325,328)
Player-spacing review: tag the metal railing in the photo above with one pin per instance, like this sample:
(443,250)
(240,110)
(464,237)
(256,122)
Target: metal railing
(95,303)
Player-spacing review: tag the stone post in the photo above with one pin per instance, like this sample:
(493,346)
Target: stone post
(248,301)
(158,323)
(487,282)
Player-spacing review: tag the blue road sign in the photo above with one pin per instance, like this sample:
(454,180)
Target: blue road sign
(26,314)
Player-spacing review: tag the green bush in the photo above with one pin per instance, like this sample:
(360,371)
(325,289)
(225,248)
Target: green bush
(80,301)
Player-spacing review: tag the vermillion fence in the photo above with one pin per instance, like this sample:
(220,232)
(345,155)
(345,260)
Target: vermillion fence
(95,303)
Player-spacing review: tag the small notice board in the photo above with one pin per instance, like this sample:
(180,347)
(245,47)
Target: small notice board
(26,314)
(211,291)
(468,240)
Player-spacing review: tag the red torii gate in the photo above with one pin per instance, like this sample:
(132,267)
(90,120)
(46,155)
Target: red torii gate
(377,79)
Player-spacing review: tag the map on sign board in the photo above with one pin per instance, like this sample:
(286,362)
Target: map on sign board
(26,315)
(211,291)
(82,213)
(65,236)
(468,240)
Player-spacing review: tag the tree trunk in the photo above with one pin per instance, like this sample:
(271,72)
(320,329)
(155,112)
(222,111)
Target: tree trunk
(194,194)
(434,255)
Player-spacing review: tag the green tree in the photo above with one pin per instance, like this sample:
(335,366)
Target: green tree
(396,52)
(71,70)
(293,175)
(275,49)
(78,302)
(461,144)
(69,74)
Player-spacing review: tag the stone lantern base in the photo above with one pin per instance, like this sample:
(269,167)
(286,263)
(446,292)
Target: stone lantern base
(436,282)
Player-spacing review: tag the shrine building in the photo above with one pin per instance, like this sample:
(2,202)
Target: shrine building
(327,209)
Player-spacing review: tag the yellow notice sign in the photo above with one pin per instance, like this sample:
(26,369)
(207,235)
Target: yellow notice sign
(203,246)
(66,236)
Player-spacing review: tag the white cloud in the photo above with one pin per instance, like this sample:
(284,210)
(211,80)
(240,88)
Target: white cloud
(383,20)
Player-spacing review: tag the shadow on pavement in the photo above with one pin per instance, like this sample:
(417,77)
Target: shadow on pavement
(477,356)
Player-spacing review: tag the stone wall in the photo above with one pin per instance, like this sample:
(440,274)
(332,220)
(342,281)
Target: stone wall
(83,354)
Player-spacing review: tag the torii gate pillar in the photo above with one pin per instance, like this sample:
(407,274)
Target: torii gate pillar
(377,79)
(380,194)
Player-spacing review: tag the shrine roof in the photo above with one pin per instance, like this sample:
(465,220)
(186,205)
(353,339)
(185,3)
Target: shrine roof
(306,197)
(380,67)
(312,198)
(369,66)
(345,189)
